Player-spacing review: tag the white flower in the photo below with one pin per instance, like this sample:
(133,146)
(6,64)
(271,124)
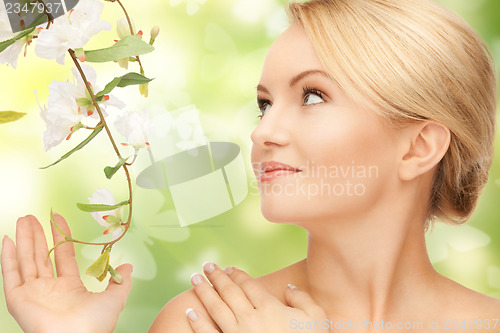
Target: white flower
(72,30)
(112,220)
(192,6)
(11,53)
(69,105)
(136,128)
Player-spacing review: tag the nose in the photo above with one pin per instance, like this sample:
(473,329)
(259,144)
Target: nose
(273,130)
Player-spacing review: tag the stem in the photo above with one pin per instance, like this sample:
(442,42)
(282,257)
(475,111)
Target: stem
(94,128)
(50,18)
(133,160)
(128,17)
(125,168)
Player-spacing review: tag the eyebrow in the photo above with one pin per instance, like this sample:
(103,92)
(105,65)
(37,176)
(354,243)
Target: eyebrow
(305,74)
(298,78)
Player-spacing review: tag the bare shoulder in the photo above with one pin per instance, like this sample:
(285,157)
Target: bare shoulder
(276,282)
(469,303)
(172,318)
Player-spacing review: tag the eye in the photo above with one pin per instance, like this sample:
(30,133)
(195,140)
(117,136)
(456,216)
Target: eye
(264,106)
(312,96)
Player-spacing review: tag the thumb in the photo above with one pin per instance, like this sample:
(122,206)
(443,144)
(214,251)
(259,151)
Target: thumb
(301,300)
(121,291)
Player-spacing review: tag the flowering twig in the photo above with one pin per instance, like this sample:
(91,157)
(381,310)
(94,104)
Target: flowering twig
(115,147)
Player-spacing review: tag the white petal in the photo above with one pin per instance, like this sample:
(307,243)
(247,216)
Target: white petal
(117,233)
(91,76)
(114,102)
(105,197)
(11,54)
(58,128)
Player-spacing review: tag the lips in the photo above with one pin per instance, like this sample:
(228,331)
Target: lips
(272,169)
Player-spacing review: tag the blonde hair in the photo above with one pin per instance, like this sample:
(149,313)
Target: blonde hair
(413,60)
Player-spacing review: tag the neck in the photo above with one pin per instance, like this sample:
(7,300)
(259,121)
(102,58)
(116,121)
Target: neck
(367,267)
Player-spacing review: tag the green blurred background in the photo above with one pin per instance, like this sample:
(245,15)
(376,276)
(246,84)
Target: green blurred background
(209,53)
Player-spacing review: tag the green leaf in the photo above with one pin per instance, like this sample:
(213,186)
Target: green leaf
(110,171)
(40,19)
(129,46)
(8,116)
(91,208)
(122,81)
(99,268)
(56,226)
(80,146)
(5,44)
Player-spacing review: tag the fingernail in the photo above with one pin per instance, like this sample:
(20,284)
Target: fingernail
(228,270)
(131,268)
(293,287)
(208,267)
(191,314)
(196,279)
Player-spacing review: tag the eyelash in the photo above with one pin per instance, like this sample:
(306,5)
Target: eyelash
(306,91)
(261,102)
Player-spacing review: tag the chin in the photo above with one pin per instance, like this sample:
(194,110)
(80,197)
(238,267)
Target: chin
(287,210)
(280,211)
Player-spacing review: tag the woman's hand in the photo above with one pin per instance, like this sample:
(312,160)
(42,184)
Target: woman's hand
(238,303)
(42,303)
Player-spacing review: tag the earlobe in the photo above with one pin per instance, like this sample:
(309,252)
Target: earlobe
(428,143)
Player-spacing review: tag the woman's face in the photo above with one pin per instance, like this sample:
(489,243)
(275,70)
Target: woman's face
(346,154)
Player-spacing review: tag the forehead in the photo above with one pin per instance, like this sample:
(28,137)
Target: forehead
(291,53)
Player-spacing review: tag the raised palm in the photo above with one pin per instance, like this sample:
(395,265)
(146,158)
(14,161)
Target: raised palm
(41,302)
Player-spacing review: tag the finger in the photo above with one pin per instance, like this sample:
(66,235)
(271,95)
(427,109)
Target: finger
(216,308)
(119,292)
(10,269)
(42,261)
(253,289)
(229,291)
(299,299)
(25,249)
(199,323)
(64,254)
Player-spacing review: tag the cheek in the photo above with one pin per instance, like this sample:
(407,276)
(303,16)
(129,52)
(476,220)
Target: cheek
(350,164)
(348,139)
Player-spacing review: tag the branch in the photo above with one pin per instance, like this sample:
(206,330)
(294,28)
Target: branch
(125,168)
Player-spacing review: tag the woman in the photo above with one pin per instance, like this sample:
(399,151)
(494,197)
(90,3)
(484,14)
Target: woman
(378,118)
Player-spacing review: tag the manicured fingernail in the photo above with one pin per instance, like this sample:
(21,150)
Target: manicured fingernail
(293,287)
(196,279)
(208,267)
(191,314)
(228,270)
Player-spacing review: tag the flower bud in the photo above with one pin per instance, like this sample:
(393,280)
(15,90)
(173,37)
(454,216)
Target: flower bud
(155,31)
(115,275)
(143,89)
(122,27)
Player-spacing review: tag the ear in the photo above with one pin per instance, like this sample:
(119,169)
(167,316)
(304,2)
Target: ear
(426,144)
